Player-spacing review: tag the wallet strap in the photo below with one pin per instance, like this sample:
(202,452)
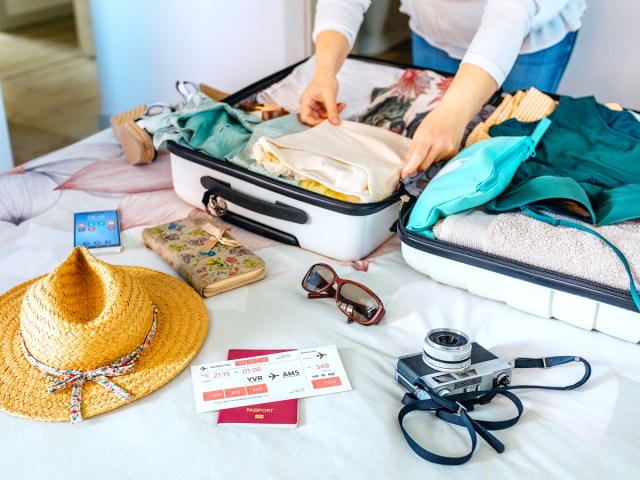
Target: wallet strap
(217,236)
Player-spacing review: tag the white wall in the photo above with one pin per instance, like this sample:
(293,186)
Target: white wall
(144,46)
(606,58)
(6,158)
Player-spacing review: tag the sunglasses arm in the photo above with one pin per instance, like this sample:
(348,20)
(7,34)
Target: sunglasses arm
(319,295)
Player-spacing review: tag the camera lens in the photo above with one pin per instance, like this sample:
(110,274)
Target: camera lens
(447,350)
(448,340)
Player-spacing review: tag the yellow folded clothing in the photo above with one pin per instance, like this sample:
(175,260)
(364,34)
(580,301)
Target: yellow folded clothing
(317,187)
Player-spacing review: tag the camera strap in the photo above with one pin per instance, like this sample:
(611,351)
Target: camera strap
(454,408)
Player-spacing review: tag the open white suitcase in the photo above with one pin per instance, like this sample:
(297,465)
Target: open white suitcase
(277,210)
(291,215)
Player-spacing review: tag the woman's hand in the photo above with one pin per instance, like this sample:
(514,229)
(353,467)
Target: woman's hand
(437,138)
(318,101)
(439,135)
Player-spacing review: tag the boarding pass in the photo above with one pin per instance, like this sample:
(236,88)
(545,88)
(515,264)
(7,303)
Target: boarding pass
(268,378)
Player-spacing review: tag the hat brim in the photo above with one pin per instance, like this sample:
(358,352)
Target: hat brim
(181,329)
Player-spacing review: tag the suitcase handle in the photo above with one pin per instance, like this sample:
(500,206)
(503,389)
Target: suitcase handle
(277,210)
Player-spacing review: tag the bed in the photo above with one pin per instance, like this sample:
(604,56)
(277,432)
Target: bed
(591,432)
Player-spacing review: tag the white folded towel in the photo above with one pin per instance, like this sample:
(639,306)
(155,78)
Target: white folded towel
(568,251)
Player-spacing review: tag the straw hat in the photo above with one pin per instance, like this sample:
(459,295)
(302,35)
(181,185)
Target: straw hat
(106,335)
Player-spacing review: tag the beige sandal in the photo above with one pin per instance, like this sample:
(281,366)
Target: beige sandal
(136,143)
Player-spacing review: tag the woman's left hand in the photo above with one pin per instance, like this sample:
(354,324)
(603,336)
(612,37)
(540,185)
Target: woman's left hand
(439,135)
(437,138)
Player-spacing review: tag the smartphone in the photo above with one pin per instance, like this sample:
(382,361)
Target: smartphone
(98,231)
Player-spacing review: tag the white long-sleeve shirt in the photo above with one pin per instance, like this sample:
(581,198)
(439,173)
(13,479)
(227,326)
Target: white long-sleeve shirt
(486,33)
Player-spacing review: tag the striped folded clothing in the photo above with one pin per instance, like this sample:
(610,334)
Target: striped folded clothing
(525,106)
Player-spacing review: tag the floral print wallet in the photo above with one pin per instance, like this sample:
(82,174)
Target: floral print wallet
(206,256)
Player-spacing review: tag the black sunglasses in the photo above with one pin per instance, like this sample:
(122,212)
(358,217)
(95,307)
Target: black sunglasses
(356,301)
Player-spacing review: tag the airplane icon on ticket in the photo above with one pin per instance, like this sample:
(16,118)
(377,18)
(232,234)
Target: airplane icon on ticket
(320,355)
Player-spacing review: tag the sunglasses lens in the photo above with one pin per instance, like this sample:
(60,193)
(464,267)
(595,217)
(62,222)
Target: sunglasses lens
(318,279)
(357,303)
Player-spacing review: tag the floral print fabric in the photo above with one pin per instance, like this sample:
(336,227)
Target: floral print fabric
(401,106)
(63,379)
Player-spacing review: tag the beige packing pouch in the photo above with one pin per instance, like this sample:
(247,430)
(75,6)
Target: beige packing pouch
(352,158)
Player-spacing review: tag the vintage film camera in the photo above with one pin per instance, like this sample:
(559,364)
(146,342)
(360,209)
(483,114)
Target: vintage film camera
(450,364)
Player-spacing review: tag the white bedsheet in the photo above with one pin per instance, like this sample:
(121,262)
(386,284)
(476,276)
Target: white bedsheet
(592,432)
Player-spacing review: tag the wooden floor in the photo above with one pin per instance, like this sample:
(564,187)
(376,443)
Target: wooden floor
(51,91)
(50,88)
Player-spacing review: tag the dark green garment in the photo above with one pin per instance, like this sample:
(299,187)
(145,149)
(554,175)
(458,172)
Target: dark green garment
(220,131)
(590,155)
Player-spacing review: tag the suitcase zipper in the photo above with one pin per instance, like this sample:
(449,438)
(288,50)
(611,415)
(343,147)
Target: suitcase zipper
(216,206)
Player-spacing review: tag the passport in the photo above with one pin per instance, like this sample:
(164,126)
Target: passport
(283,413)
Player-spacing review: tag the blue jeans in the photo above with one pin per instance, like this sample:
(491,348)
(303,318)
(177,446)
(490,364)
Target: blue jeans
(542,69)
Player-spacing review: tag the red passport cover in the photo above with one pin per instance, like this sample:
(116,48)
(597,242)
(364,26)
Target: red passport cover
(283,413)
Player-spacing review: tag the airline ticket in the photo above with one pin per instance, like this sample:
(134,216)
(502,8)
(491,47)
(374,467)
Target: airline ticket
(268,378)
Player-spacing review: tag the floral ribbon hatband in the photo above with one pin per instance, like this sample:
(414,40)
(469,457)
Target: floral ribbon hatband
(62,379)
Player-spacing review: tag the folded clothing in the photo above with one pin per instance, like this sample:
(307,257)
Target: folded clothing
(221,131)
(275,128)
(353,159)
(162,126)
(525,106)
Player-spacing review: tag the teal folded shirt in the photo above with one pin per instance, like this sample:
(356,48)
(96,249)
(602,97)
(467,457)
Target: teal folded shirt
(590,155)
(274,128)
(221,131)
